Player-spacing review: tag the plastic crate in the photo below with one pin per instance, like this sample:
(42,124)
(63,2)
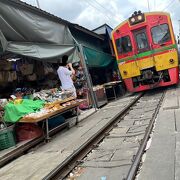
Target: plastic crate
(7,139)
(55,121)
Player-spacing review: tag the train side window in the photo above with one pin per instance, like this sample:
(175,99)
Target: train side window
(123,45)
(142,41)
(160,34)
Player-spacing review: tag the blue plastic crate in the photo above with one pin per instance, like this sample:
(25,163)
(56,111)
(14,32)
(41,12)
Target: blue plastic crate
(55,121)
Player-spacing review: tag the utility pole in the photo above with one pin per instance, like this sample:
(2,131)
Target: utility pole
(37,2)
(178,36)
(148,5)
(179,27)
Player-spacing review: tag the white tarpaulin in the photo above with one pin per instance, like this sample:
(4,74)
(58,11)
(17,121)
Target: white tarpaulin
(27,31)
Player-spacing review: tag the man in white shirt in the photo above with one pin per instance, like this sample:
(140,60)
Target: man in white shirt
(65,75)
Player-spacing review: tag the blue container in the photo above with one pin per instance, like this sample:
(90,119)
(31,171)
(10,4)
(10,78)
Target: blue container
(55,121)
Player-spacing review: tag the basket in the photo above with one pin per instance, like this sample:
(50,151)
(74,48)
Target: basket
(27,131)
(7,139)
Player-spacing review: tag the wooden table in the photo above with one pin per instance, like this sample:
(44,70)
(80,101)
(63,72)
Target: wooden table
(51,115)
(112,85)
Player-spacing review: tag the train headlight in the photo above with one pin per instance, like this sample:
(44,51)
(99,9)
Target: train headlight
(139,17)
(171,61)
(133,20)
(136,18)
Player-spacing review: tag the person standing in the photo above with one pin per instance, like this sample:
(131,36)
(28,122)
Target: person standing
(65,73)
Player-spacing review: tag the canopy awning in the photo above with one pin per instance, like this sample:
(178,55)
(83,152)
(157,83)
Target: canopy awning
(95,59)
(29,33)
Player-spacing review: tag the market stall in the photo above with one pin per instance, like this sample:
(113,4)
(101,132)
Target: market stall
(104,74)
(52,110)
(30,54)
(37,41)
(39,109)
(116,88)
(100,95)
(29,57)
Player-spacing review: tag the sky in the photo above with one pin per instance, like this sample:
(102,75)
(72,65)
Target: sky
(94,13)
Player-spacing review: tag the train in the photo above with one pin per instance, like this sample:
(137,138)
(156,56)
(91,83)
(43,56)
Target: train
(146,51)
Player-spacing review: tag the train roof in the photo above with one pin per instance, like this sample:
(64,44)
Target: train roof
(146,13)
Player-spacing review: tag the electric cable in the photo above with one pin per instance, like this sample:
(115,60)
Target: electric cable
(102,12)
(88,2)
(107,10)
(170,4)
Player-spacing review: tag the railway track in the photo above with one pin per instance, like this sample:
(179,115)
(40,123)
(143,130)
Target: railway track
(135,122)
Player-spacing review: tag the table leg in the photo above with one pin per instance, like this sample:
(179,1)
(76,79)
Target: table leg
(47,131)
(114,92)
(77,115)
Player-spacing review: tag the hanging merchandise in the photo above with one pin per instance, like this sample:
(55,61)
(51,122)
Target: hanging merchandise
(10,78)
(1,77)
(32,77)
(26,69)
(39,69)
(5,77)
(5,65)
(14,75)
(47,69)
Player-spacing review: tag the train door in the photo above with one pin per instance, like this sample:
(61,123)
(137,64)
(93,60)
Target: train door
(142,44)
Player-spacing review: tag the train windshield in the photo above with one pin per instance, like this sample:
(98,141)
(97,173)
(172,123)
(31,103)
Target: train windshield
(160,34)
(123,45)
(142,41)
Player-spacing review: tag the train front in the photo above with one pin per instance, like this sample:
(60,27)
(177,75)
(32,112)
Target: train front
(146,51)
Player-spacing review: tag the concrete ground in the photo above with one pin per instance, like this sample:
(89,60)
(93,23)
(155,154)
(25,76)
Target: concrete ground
(162,159)
(39,162)
(113,157)
(84,114)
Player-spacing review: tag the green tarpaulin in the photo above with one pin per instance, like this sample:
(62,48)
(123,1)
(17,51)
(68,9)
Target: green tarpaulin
(96,58)
(13,112)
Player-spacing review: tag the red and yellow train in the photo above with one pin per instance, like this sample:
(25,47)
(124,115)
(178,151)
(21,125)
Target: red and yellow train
(146,51)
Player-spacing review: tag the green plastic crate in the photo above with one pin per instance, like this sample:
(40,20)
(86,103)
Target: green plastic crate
(7,139)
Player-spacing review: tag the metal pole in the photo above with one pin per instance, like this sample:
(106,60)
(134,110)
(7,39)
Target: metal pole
(89,82)
(178,36)
(179,27)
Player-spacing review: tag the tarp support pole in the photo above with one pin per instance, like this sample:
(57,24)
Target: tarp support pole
(89,81)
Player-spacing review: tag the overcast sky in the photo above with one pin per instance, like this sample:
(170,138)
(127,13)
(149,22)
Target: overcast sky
(93,13)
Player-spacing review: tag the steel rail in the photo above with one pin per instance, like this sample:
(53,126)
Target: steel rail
(133,169)
(63,169)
